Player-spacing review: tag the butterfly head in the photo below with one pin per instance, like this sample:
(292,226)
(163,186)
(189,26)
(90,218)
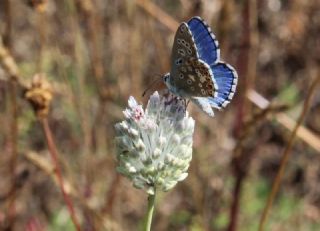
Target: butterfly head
(166,80)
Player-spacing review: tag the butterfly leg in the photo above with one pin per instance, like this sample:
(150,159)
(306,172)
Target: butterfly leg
(187,103)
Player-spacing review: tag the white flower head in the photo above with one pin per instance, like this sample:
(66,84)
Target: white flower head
(154,147)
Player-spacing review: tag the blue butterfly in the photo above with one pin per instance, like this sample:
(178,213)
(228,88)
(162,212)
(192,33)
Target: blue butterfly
(197,73)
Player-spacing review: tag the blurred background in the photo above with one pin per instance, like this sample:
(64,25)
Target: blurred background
(96,53)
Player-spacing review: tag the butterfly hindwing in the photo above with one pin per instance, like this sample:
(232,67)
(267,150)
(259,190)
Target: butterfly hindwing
(195,78)
(204,104)
(227,79)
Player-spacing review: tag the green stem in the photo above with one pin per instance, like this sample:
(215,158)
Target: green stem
(151,203)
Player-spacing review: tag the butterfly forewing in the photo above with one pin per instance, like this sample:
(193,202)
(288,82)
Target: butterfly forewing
(192,76)
(205,41)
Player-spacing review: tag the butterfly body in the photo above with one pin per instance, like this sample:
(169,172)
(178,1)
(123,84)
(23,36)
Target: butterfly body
(196,70)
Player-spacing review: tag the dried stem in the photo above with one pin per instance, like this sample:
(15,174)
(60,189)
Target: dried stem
(159,14)
(8,27)
(47,168)
(13,148)
(303,133)
(54,155)
(234,209)
(93,22)
(110,196)
(251,37)
(41,20)
(13,119)
(286,154)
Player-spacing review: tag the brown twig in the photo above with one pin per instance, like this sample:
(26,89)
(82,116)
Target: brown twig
(13,147)
(54,155)
(8,26)
(241,162)
(41,27)
(286,153)
(13,119)
(159,14)
(303,133)
(45,166)
(240,159)
(111,195)
(8,64)
(93,22)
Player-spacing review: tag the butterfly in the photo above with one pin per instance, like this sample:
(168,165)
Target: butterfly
(197,73)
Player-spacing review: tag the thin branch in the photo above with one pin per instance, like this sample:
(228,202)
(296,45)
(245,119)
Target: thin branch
(158,14)
(13,133)
(54,155)
(44,165)
(286,154)
(303,133)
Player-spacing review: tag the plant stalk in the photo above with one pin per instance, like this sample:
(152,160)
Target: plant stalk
(54,155)
(151,203)
(286,154)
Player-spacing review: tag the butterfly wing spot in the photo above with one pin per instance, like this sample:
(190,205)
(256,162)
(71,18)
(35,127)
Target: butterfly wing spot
(189,51)
(183,28)
(192,77)
(181,76)
(189,81)
(202,78)
(203,92)
(211,93)
(179,41)
(182,52)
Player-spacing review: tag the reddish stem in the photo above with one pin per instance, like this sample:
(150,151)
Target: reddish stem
(54,155)
(235,203)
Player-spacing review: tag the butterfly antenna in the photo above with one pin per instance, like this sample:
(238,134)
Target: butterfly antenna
(150,85)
